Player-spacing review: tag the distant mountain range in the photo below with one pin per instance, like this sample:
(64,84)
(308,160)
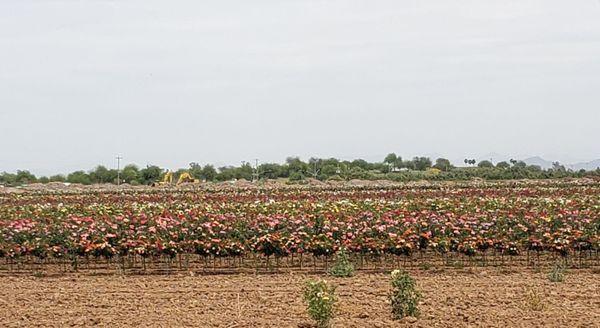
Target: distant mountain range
(497,157)
(588,166)
(591,165)
(535,160)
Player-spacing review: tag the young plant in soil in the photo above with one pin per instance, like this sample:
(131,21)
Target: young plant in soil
(342,267)
(557,274)
(405,296)
(534,300)
(320,299)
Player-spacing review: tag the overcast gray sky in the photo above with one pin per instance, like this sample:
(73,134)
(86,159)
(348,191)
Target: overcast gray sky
(170,82)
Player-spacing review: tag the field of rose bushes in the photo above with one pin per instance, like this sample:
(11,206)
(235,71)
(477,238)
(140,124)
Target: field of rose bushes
(302,227)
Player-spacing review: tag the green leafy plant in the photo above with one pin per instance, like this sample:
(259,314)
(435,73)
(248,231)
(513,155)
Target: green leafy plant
(405,296)
(558,272)
(320,299)
(342,267)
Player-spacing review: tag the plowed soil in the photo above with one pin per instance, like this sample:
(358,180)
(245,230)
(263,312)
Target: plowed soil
(475,297)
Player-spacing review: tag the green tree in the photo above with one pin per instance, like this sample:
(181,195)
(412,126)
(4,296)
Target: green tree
(410,164)
(272,170)
(390,160)
(443,164)
(130,174)
(195,170)
(557,167)
(58,178)
(149,174)
(503,165)
(520,164)
(360,163)
(296,176)
(79,177)
(209,173)
(329,167)
(421,163)
(399,163)
(8,178)
(296,165)
(24,177)
(486,164)
(103,175)
(226,173)
(244,172)
(328,170)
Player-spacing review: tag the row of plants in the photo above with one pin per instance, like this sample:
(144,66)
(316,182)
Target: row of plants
(468,221)
(503,219)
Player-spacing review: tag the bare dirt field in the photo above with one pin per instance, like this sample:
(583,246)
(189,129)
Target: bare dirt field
(472,297)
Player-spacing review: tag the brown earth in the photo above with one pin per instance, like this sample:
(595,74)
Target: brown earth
(474,297)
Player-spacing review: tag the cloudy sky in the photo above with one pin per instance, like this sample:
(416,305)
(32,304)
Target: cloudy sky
(170,82)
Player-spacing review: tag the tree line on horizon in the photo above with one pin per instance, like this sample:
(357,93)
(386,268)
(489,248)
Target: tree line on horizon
(393,167)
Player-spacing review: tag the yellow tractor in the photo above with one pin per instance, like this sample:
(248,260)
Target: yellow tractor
(185,177)
(167,180)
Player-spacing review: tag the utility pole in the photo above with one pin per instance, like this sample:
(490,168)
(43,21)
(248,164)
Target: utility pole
(315,172)
(255,176)
(119,158)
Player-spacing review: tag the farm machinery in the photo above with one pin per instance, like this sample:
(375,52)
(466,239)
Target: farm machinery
(167,180)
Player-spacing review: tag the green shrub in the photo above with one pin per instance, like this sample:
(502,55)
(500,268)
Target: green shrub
(404,297)
(335,177)
(342,267)
(296,176)
(320,299)
(557,274)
